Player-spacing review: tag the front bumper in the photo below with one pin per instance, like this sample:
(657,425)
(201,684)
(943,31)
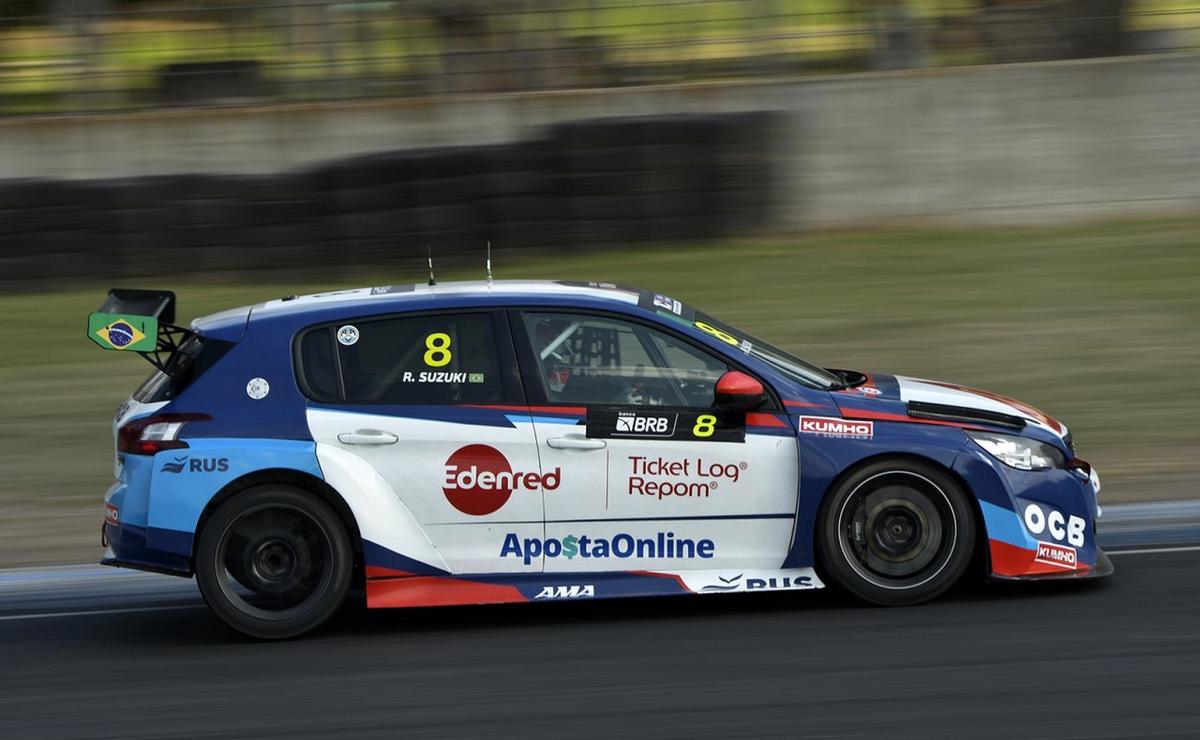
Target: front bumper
(1038,524)
(1103,567)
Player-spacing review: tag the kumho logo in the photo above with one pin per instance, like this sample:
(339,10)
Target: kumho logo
(478,480)
(836,427)
(1058,555)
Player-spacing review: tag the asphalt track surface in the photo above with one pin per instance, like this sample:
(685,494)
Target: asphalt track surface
(92,652)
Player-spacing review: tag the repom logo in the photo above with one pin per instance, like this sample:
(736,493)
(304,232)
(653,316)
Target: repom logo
(478,480)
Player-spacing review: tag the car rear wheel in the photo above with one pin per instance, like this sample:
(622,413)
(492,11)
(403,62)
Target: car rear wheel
(274,562)
(896,533)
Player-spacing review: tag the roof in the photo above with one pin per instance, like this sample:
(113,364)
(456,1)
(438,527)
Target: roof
(395,296)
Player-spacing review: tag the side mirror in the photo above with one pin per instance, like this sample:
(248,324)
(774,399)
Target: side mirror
(739,391)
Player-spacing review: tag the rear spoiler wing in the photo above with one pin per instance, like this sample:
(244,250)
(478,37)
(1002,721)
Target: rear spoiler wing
(140,321)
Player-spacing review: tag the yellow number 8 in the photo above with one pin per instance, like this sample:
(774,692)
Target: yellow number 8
(725,337)
(706,424)
(437,349)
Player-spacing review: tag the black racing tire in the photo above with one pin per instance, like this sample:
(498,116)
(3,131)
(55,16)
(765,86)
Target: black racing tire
(274,562)
(896,533)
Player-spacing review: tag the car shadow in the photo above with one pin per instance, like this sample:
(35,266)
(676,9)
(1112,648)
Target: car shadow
(199,626)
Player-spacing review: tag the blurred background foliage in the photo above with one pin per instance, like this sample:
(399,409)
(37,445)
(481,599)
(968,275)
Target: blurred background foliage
(86,55)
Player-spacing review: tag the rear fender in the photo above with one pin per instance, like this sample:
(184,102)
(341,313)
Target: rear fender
(183,482)
(388,528)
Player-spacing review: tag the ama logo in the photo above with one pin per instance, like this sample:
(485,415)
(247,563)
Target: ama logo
(196,465)
(478,480)
(567,592)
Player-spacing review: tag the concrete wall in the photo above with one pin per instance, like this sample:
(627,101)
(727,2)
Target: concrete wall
(1012,143)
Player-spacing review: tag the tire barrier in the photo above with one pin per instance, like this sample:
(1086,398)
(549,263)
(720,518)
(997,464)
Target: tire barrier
(585,184)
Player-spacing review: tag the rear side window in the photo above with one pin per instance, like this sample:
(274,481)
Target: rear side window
(433,359)
(317,363)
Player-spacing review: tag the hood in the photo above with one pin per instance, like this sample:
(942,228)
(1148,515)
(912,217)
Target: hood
(949,394)
(899,398)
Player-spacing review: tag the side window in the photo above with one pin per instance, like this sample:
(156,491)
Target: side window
(600,360)
(415,360)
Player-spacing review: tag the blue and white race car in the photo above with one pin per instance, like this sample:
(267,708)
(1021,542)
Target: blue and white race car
(482,442)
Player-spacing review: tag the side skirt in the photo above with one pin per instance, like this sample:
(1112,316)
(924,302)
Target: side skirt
(392,589)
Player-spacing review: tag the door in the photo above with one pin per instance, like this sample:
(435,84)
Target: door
(426,402)
(654,477)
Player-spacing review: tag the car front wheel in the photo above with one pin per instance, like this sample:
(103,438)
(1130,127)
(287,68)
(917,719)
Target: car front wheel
(274,562)
(896,533)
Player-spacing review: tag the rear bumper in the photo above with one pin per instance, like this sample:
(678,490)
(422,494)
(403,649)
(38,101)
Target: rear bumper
(125,547)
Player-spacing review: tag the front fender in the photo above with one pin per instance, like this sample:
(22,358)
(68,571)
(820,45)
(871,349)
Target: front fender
(825,459)
(1039,524)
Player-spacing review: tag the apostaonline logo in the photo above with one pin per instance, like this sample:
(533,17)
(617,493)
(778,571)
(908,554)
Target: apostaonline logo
(836,427)
(478,480)
(660,545)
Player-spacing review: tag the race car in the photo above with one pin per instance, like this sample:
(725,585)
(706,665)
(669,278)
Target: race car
(512,441)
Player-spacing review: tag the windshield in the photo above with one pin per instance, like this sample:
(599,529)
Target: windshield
(786,363)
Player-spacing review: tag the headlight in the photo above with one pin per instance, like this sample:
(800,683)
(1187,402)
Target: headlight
(1021,453)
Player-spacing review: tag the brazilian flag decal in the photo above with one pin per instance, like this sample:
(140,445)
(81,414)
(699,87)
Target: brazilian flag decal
(123,331)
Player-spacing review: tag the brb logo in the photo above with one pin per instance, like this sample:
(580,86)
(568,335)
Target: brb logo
(629,422)
(478,480)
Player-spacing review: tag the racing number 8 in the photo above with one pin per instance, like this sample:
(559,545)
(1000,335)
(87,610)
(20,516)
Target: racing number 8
(706,424)
(437,349)
(725,337)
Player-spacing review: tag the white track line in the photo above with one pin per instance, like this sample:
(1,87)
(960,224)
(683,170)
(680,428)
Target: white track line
(1152,551)
(96,612)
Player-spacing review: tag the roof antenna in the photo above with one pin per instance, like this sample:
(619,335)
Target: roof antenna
(429,255)
(489,263)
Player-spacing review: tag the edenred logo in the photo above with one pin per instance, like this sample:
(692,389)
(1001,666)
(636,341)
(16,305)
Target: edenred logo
(478,480)
(111,515)
(836,427)
(1057,555)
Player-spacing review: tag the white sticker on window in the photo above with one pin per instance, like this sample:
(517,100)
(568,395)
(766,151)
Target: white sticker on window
(347,335)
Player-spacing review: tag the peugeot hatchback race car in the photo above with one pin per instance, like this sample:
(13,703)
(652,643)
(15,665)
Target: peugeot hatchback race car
(482,442)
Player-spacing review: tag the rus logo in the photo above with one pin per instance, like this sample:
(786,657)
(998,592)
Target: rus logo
(196,465)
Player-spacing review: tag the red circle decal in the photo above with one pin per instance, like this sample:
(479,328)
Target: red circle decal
(478,479)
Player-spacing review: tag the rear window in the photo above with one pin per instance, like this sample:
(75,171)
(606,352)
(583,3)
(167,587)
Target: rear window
(430,359)
(194,358)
